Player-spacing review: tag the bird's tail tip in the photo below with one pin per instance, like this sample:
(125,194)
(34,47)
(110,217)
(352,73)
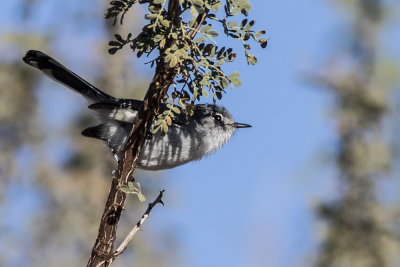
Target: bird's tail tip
(32,57)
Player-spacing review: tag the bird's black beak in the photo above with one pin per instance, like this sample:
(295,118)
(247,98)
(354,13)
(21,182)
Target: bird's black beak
(240,125)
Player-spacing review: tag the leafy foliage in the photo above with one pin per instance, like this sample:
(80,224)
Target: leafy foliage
(130,188)
(198,61)
(165,119)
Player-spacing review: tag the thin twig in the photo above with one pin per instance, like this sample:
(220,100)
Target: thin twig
(199,21)
(138,225)
(205,34)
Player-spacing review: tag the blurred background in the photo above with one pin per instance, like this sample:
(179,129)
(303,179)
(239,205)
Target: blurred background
(315,182)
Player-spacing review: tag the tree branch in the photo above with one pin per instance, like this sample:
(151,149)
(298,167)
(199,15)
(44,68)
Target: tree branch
(138,226)
(103,249)
(102,252)
(199,21)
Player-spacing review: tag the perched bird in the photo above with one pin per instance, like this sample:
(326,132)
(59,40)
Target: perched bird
(188,138)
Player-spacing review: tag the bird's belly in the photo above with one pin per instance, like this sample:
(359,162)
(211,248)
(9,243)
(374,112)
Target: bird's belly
(169,151)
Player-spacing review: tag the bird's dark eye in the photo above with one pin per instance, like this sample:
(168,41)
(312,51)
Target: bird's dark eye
(217,117)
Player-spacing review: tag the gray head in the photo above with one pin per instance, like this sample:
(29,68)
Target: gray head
(216,116)
(216,125)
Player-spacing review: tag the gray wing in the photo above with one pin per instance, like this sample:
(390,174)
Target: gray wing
(118,117)
(126,110)
(114,133)
(118,109)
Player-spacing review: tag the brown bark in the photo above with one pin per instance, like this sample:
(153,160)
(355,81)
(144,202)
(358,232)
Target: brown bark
(103,249)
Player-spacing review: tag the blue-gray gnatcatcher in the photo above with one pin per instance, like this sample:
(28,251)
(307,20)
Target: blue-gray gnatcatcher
(188,138)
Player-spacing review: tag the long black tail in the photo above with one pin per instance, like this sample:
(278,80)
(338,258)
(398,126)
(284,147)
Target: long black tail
(58,72)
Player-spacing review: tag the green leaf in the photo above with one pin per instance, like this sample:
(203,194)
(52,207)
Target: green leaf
(141,197)
(125,189)
(212,33)
(244,11)
(234,75)
(259,33)
(173,62)
(219,62)
(204,93)
(154,9)
(158,38)
(168,120)
(251,58)
(156,129)
(181,53)
(198,40)
(206,28)
(114,43)
(224,82)
(234,78)
(194,13)
(233,35)
(118,38)
(220,52)
(198,2)
(231,24)
(165,127)
(263,42)
(151,16)
(208,47)
(113,50)
(200,9)
(168,57)
(212,52)
(162,43)
(232,57)
(216,6)
(237,82)
(164,22)
(158,122)
(176,110)
(131,187)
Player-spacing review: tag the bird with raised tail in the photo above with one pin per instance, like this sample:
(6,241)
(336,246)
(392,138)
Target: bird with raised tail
(188,138)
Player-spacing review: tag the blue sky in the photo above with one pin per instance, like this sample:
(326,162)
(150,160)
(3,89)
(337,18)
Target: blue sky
(250,204)
(257,208)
